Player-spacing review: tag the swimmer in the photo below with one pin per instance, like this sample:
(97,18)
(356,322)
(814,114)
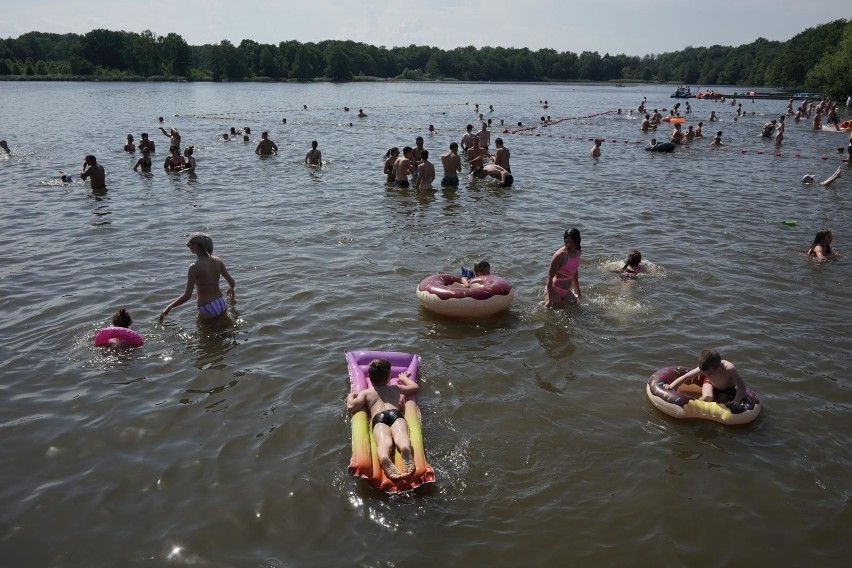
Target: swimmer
(595,152)
(5,146)
(388,424)
(121,318)
(390,163)
(501,156)
(484,136)
(173,135)
(130,146)
(652,144)
(496,172)
(452,166)
(144,162)
(204,275)
(425,172)
(92,169)
(189,160)
(717,140)
(713,117)
(314,156)
(265,147)
(146,143)
(633,264)
(563,279)
(66,178)
(431,129)
(174,162)
(719,380)
(698,133)
(821,247)
(467,138)
(361,113)
(403,167)
(476,154)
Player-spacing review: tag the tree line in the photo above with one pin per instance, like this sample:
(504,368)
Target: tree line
(819,58)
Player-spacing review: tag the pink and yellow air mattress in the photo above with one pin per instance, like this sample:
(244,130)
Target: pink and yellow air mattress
(365,461)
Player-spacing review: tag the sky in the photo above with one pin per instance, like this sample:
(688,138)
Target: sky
(632,27)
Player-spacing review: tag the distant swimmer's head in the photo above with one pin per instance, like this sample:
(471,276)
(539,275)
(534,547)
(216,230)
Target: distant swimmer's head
(144,136)
(202,241)
(160,119)
(130,138)
(66,178)
(379,371)
(808,178)
(634,258)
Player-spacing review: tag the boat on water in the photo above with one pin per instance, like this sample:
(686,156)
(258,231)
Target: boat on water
(683,92)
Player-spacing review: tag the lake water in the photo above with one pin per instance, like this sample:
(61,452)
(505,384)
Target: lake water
(227,445)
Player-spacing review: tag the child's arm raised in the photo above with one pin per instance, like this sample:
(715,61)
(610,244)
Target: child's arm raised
(406,385)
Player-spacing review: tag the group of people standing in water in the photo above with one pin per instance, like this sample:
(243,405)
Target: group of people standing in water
(414,161)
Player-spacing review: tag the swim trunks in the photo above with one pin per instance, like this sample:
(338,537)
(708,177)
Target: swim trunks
(401,183)
(215,308)
(508,181)
(451,181)
(387,417)
(728,394)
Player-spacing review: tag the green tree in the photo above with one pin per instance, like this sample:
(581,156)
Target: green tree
(338,64)
(833,73)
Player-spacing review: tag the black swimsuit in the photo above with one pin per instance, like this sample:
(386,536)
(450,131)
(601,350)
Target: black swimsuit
(387,417)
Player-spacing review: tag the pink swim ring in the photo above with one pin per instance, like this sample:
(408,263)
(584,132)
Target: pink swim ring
(118,337)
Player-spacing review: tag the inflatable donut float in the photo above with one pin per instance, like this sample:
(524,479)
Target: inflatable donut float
(118,337)
(684,403)
(447,295)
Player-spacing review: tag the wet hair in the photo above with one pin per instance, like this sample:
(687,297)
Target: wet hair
(130,138)
(392,151)
(233,130)
(709,359)
(224,137)
(247,130)
(189,150)
(121,318)
(201,240)
(498,141)
(820,239)
(264,134)
(453,145)
(700,124)
(314,143)
(419,139)
(482,268)
(634,258)
(144,135)
(574,234)
(424,154)
(406,150)
(469,127)
(379,371)
(92,158)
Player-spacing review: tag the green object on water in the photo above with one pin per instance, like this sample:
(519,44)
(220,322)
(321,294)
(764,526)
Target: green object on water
(789,222)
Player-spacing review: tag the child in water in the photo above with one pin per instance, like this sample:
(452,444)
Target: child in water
(821,247)
(563,279)
(481,268)
(204,274)
(633,264)
(719,379)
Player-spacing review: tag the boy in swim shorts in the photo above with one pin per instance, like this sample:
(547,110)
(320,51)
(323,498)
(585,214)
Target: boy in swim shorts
(718,378)
(388,424)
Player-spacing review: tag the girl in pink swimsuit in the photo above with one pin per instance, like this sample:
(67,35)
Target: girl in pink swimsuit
(563,282)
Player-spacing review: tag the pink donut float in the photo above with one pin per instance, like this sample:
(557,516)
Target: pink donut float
(446,295)
(118,337)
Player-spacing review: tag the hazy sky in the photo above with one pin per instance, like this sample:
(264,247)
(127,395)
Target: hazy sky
(633,27)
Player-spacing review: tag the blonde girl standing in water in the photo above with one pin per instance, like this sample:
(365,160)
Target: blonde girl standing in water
(204,274)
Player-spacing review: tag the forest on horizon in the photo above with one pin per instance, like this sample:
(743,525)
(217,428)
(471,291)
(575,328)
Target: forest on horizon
(817,59)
